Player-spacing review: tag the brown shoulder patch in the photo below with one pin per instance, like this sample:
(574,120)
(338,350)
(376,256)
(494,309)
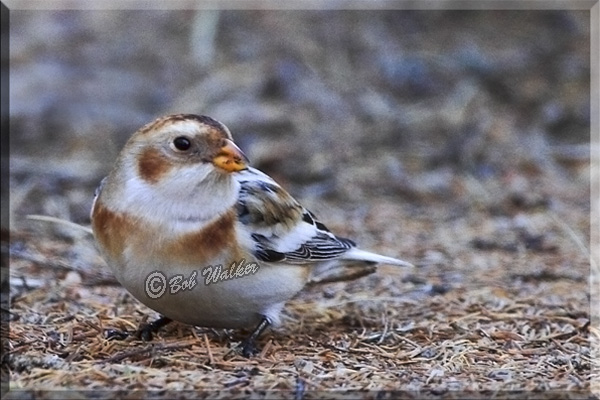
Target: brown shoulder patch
(111,230)
(115,232)
(207,243)
(152,165)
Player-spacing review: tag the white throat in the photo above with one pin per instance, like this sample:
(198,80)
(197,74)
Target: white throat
(186,200)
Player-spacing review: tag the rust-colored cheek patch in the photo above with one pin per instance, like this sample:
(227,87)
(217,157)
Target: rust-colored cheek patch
(152,165)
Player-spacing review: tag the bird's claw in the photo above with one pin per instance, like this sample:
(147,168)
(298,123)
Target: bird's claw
(116,334)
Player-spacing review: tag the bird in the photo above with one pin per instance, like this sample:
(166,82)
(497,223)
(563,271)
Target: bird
(182,199)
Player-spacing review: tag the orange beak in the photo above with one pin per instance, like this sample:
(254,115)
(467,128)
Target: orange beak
(230,158)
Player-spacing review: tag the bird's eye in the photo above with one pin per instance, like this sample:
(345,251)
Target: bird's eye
(182,143)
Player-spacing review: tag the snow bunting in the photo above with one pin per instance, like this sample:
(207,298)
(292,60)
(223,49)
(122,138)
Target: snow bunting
(194,233)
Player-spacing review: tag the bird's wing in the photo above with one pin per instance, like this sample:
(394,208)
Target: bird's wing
(280,228)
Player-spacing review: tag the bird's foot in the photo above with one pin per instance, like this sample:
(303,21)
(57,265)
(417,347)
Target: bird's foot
(247,348)
(147,331)
(116,334)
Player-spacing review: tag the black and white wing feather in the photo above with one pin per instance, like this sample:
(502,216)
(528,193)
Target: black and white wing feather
(284,231)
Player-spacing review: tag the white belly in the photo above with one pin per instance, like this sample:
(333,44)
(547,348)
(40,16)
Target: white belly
(232,303)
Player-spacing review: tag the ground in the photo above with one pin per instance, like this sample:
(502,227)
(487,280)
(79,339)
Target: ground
(458,141)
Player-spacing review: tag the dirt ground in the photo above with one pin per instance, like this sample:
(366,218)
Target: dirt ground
(458,141)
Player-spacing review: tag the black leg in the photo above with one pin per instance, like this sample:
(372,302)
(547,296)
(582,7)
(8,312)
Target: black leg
(146,331)
(247,346)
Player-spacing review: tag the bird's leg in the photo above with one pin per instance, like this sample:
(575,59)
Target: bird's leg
(146,331)
(247,346)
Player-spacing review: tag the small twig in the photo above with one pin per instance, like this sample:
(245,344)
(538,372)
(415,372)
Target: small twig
(93,326)
(236,382)
(266,349)
(128,354)
(210,355)
(73,355)
(150,348)
(562,335)
(385,331)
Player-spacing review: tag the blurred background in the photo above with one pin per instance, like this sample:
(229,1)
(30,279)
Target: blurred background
(337,105)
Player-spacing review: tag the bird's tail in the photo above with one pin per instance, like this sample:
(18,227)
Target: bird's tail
(362,255)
